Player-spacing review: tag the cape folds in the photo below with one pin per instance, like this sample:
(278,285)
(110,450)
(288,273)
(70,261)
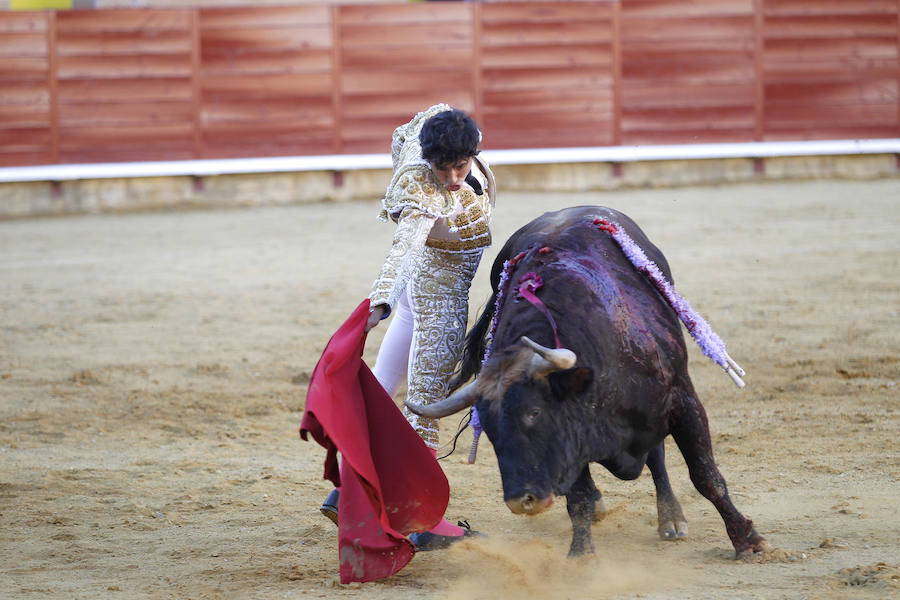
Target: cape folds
(391,485)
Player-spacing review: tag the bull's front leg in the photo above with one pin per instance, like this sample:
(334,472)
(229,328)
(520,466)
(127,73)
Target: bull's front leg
(580,502)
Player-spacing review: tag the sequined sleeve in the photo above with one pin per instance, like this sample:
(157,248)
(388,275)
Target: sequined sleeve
(403,258)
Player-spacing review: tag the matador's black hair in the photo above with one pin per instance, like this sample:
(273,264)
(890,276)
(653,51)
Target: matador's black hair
(448,137)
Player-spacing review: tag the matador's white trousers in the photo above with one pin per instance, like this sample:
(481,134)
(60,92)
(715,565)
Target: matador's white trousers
(425,338)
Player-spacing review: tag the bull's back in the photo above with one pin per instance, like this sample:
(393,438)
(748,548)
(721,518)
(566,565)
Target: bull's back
(606,305)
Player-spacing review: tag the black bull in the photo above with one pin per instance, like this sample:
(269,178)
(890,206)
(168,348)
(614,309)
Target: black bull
(617,387)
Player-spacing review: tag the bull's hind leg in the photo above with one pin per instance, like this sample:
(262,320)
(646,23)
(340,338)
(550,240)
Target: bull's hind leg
(672,524)
(580,502)
(690,428)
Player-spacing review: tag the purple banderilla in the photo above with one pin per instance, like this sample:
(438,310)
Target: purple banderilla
(710,343)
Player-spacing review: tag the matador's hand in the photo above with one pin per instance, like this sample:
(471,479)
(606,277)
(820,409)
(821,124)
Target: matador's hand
(375,317)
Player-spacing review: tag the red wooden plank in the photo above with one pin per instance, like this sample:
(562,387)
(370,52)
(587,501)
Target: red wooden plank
(99,91)
(293,85)
(868,115)
(271,129)
(815,73)
(547,120)
(309,146)
(97,21)
(655,9)
(830,7)
(828,131)
(133,113)
(20,157)
(249,40)
(122,135)
(739,46)
(863,91)
(407,57)
(808,70)
(119,67)
(830,26)
(575,101)
(265,63)
(24,92)
(570,32)
(399,108)
(405,14)
(406,82)
(22,69)
(23,22)
(692,29)
(529,79)
(446,34)
(24,139)
(247,17)
(131,152)
(23,44)
(124,42)
(314,111)
(582,55)
(852,49)
(678,118)
(688,136)
(688,70)
(528,137)
(661,94)
(24,115)
(545,12)
(266,139)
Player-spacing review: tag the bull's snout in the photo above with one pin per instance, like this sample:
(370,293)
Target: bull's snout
(529,504)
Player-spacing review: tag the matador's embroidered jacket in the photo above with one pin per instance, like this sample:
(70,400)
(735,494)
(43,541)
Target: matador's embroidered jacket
(427,214)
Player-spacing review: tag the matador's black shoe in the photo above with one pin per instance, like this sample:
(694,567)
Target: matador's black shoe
(426,541)
(329,508)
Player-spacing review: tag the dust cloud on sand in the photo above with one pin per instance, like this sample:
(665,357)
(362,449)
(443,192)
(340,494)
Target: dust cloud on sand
(153,369)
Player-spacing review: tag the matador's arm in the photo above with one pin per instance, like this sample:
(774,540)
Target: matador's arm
(403,259)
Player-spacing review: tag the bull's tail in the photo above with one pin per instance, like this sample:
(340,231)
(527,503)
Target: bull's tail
(476,342)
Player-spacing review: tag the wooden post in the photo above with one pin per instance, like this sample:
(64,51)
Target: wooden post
(52,86)
(617,74)
(199,149)
(337,96)
(477,80)
(759,100)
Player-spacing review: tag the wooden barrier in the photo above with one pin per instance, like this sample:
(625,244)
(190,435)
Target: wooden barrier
(150,84)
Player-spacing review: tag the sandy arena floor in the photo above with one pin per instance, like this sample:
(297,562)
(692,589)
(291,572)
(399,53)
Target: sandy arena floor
(153,369)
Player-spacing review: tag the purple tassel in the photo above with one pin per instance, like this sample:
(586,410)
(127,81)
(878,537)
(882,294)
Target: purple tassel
(710,343)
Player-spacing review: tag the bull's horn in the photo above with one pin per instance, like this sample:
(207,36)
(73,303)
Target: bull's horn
(548,360)
(462,398)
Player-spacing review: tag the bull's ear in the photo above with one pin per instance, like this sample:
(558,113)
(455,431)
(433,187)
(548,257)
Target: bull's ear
(571,381)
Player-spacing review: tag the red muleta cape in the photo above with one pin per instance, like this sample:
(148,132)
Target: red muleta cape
(391,485)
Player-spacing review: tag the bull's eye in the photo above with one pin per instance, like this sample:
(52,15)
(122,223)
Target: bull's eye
(532,415)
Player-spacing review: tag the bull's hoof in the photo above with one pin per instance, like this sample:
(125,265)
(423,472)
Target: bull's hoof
(672,531)
(755,544)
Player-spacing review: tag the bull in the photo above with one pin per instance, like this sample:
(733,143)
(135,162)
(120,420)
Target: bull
(592,368)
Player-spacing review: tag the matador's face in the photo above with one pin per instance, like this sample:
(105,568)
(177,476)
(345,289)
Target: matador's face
(453,174)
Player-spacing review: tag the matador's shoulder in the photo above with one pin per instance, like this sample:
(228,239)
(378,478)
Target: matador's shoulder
(413,184)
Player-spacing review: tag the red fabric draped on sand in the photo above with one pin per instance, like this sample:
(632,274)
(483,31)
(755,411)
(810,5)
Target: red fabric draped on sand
(391,484)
